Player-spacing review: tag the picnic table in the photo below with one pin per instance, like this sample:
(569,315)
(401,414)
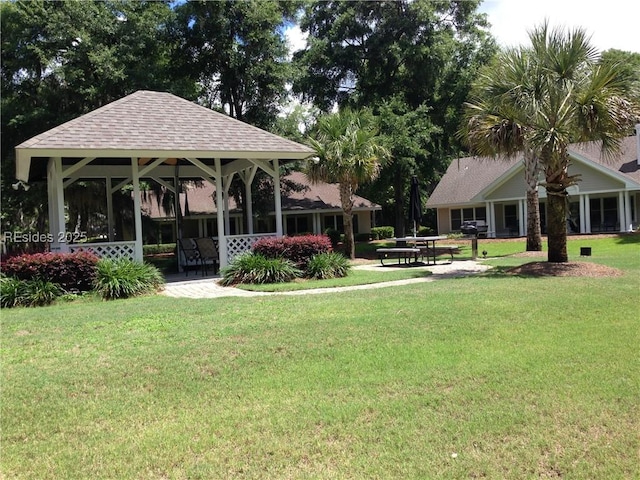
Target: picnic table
(407,247)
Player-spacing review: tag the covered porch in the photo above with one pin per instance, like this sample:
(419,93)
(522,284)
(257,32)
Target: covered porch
(153,136)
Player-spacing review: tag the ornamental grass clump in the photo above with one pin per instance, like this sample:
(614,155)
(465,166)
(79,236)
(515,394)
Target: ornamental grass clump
(124,278)
(328,265)
(15,292)
(252,267)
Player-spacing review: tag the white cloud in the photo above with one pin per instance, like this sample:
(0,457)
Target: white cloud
(611,24)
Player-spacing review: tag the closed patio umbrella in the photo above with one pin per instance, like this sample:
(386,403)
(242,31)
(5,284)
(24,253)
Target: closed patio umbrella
(415,207)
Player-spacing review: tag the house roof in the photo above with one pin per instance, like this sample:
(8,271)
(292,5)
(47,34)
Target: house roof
(468,177)
(310,197)
(157,125)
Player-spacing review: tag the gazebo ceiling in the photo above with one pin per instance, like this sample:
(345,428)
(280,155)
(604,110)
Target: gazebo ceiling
(149,125)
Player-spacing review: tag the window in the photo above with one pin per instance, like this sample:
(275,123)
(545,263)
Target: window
(511,218)
(459,215)
(297,224)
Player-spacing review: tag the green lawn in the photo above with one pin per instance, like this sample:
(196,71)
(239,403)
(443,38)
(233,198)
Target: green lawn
(482,377)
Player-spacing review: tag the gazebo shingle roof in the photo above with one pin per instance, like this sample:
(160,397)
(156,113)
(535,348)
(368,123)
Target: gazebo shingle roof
(159,121)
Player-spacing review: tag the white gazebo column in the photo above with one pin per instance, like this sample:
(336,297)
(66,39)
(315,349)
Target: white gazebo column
(137,209)
(55,193)
(278,199)
(226,183)
(109,210)
(248,181)
(222,238)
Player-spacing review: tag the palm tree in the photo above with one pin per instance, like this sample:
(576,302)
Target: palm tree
(347,146)
(572,98)
(503,90)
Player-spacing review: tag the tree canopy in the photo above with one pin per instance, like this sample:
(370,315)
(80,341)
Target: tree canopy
(412,63)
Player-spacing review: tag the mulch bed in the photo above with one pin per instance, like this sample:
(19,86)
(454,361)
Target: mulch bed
(569,269)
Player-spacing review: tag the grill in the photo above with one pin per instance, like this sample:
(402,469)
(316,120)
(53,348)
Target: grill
(474,227)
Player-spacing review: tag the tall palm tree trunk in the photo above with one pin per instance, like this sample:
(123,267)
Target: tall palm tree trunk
(346,198)
(557,225)
(534,235)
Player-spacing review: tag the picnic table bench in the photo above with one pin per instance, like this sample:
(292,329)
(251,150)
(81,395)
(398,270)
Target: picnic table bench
(401,253)
(441,250)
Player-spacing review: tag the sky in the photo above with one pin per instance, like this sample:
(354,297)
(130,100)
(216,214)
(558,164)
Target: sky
(611,23)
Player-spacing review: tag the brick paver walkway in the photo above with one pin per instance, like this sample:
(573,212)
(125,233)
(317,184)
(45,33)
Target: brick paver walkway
(209,287)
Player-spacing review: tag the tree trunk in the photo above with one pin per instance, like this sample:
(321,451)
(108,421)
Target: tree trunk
(346,198)
(534,235)
(398,183)
(557,225)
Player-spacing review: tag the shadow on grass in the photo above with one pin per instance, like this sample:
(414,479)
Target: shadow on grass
(628,238)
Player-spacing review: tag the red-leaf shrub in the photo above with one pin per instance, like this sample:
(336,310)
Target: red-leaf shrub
(72,271)
(298,250)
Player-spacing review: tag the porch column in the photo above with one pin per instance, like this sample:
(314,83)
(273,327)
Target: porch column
(222,236)
(627,212)
(491,219)
(523,216)
(581,213)
(137,209)
(55,194)
(621,212)
(317,223)
(587,214)
(278,199)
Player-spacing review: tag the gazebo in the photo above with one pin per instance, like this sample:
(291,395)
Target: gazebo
(159,136)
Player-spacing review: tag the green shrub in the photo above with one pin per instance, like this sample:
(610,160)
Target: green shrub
(362,237)
(124,278)
(380,233)
(159,249)
(328,265)
(12,292)
(334,236)
(426,231)
(252,267)
(15,292)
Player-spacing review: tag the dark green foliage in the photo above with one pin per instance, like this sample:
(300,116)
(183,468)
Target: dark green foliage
(425,231)
(252,267)
(72,271)
(15,292)
(334,236)
(328,265)
(380,233)
(126,278)
(412,63)
(159,249)
(363,237)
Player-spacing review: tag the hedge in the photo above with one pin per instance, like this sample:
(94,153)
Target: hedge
(380,233)
(72,271)
(298,250)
